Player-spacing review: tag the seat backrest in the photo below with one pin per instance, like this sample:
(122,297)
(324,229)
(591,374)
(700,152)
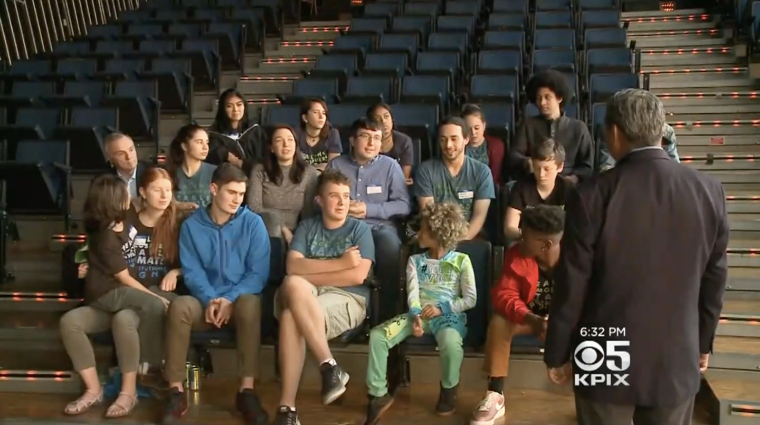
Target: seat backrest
(42,151)
(72,48)
(136,89)
(283,114)
(411,23)
(381,9)
(157,46)
(33,67)
(171,65)
(549,5)
(104,31)
(598,4)
(456,23)
(145,29)
(172,14)
(605,37)
(344,115)
(505,39)
(366,86)
(77,66)
(125,65)
(396,41)
(200,45)
(498,115)
(369,25)
(46,118)
(421,8)
(611,56)
(502,21)
(316,87)
(554,39)
(602,86)
(600,19)
(95,117)
(500,85)
(510,6)
(413,114)
(482,263)
(363,42)
(447,41)
(454,7)
(508,60)
(185,28)
(425,85)
(95,90)
(554,19)
(337,62)
(110,46)
(564,58)
(33,88)
(437,60)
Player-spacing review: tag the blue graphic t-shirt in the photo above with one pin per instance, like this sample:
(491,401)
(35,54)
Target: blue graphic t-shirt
(144,267)
(314,241)
(196,189)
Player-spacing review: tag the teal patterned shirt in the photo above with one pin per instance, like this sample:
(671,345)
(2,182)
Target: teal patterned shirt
(448,283)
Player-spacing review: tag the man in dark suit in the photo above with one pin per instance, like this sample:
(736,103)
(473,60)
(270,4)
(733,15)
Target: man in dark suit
(640,284)
(121,153)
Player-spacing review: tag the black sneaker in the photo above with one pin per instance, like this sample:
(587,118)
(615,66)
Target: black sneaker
(175,408)
(286,416)
(447,401)
(334,381)
(376,407)
(249,405)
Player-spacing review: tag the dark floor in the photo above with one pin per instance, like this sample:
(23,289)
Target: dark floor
(213,405)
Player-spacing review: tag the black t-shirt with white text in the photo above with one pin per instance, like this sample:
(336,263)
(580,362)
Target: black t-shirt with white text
(145,268)
(543,299)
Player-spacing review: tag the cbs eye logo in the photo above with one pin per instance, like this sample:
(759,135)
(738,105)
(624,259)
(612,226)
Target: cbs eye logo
(590,355)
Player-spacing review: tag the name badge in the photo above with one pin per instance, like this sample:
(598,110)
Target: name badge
(465,194)
(374,190)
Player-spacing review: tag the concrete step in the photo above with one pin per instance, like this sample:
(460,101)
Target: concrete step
(264,85)
(740,319)
(671,26)
(312,31)
(716,153)
(284,65)
(722,164)
(734,401)
(302,48)
(657,14)
(687,57)
(716,128)
(740,353)
(720,79)
(714,38)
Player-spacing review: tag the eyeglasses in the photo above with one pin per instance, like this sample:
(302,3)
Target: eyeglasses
(366,136)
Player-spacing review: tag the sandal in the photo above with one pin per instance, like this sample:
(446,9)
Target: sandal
(117,410)
(84,403)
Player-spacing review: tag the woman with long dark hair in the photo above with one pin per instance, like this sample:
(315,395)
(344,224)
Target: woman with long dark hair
(233,137)
(317,140)
(115,294)
(282,187)
(396,144)
(189,173)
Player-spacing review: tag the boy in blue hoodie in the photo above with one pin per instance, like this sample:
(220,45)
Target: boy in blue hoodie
(324,294)
(224,251)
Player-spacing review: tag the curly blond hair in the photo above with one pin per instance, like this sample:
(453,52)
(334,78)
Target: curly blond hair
(446,223)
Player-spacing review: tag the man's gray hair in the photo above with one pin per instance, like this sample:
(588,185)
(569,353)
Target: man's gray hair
(113,137)
(639,115)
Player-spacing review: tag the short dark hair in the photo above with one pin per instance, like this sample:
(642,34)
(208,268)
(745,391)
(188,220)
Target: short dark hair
(550,79)
(331,175)
(365,124)
(544,219)
(106,203)
(457,121)
(228,173)
(548,150)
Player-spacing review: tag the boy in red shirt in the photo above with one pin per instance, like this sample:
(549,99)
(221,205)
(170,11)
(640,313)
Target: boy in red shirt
(521,300)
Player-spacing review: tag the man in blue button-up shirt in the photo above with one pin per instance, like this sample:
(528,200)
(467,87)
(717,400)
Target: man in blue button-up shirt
(379,194)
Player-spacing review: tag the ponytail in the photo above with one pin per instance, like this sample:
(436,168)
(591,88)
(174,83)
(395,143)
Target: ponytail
(165,239)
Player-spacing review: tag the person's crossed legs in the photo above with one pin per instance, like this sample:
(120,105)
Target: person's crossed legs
(187,314)
(309,318)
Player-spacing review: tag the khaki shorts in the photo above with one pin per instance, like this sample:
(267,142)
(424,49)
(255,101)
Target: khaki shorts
(343,310)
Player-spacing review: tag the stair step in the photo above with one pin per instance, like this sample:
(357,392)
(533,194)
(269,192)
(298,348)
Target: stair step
(36,301)
(731,352)
(303,47)
(690,59)
(317,32)
(262,85)
(740,319)
(707,117)
(716,128)
(744,284)
(735,401)
(722,165)
(284,65)
(716,152)
(742,182)
(650,25)
(30,325)
(696,80)
(661,14)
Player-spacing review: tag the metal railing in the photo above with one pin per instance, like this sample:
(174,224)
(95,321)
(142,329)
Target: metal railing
(32,27)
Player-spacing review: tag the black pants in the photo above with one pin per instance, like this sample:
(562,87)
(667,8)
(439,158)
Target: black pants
(590,412)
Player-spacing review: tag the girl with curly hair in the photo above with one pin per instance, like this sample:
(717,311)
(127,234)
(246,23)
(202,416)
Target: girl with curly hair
(440,289)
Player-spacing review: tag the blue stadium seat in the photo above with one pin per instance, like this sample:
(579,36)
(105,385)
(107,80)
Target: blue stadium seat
(602,86)
(554,39)
(175,83)
(75,69)
(139,109)
(609,61)
(427,89)
(500,62)
(429,9)
(181,30)
(464,24)
(493,88)
(27,93)
(418,121)
(449,42)
(600,19)
(143,30)
(504,40)
(552,5)
(24,71)
(339,66)
(172,14)
(121,69)
(399,43)
(112,49)
(544,20)
(78,93)
(605,37)
(67,49)
(561,60)
(342,118)
(322,88)
(467,8)
(419,25)
(134,16)
(439,63)
(230,36)
(86,131)
(206,63)
(104,32)
(598,111)
(381,10)
(598,5)
(500,119)
(367,26)
(372,90)
(393,64)
(510,6)
(506,21)
(358,45)
(30,124)
(282,114)
(40,167)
